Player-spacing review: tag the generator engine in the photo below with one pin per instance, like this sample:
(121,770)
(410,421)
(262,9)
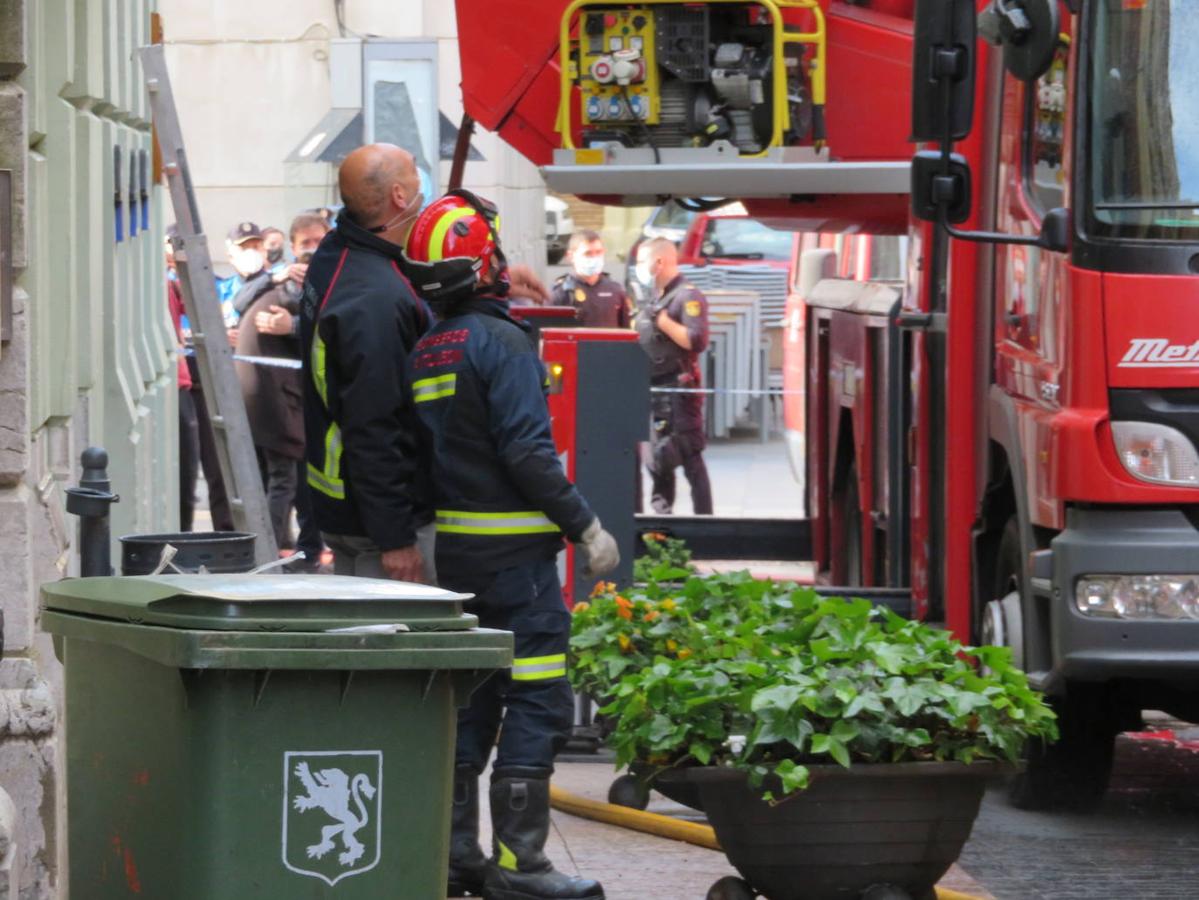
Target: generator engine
(685,76)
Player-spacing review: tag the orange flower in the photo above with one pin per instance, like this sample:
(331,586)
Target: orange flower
(684,653)
(625,613)
(624,602)
(625,643)
(654,536)
(582,606)
(651,615)
(603,587)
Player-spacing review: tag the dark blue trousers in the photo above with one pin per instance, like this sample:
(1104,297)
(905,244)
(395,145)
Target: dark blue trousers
(531,709)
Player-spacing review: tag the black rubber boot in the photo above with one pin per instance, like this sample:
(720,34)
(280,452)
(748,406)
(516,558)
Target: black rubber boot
(520,822)
(468,865)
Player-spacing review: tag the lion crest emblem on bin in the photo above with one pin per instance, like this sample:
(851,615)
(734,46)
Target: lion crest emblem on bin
(332,827)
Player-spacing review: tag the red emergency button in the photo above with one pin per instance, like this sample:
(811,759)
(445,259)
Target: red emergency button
(610,20)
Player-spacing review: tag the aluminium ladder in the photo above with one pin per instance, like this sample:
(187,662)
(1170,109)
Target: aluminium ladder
(214,357)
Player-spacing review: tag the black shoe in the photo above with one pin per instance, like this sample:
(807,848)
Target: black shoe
(520,823)
(467,862)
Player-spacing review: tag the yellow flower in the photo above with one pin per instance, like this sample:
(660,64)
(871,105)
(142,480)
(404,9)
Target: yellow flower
(672,645)
(684,653)
(668,604)
(625,643)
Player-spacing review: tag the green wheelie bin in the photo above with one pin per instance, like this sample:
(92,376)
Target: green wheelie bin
(257,737)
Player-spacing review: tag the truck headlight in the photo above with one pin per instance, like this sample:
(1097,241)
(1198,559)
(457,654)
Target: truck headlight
(1156,453)
(1138,596)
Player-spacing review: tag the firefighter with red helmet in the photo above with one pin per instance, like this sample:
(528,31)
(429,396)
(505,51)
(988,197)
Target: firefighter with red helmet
(503,505)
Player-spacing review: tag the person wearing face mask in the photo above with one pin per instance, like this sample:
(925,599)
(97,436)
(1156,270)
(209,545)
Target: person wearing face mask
(273,247)
(599,302)
(243,246)
(672,327)
(359,320)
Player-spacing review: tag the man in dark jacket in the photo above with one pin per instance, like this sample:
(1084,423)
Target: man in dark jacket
(269,329)
(359,320)
(504,505)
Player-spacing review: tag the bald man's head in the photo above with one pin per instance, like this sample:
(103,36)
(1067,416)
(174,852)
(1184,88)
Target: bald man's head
(659,258)
(378,183)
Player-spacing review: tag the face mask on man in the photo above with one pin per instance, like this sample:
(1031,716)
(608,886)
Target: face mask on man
(645,272)
(589,266)
(411,211)
(274,254)
(247,261)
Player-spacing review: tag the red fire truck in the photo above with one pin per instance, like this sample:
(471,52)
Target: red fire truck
(1006,424)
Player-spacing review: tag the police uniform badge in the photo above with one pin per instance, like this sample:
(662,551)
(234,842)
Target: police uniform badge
(580,295)
(692,307)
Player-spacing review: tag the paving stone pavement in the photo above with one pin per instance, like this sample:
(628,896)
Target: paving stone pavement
(635,866)
(1143,841)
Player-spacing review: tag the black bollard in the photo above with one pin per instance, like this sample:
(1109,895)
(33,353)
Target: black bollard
(91,501)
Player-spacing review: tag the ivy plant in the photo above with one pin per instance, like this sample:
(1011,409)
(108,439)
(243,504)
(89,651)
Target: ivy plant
(770,678)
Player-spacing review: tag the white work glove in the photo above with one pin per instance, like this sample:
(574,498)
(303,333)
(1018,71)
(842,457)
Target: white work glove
(602,553)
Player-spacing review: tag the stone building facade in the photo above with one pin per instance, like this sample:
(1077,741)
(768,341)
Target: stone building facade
(90,361)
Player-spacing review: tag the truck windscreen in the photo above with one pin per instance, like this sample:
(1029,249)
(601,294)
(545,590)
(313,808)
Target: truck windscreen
(1144,130)
(738,238)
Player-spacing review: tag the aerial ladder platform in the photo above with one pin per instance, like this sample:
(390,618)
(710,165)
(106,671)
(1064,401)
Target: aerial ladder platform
(799,108)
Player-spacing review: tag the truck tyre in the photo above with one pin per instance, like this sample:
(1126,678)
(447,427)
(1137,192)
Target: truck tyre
(1071,773)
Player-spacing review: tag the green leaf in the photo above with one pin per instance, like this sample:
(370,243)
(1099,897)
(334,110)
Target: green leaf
(701,752)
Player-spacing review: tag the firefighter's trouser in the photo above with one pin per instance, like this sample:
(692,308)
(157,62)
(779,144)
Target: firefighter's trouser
(533,703)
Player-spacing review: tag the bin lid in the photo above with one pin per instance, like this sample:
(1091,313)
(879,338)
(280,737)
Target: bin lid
(308,603)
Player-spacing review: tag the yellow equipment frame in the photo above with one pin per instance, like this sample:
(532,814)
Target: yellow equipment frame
(782,109)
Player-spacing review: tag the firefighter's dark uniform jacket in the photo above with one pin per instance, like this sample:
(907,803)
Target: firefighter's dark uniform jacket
(502,498)
(600,305)
(359,321)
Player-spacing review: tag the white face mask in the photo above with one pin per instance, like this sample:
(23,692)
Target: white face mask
(644,273)
(247,262)
(589,266)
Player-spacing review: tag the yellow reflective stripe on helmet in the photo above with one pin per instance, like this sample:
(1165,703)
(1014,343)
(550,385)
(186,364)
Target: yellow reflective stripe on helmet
(442,228)
(456,521)
(539,668)
(434,388)
(319,372)
(328,481)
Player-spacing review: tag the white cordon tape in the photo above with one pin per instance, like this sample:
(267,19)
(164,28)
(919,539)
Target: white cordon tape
(752,392)
(279,362)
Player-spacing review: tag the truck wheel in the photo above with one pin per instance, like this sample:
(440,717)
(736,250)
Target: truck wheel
(1003,617)
(629,791)
(1071,773)
(731,888)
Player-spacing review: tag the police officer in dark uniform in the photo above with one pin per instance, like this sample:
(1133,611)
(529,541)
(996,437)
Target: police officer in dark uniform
(599,302)
(672,325)
(504,505)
